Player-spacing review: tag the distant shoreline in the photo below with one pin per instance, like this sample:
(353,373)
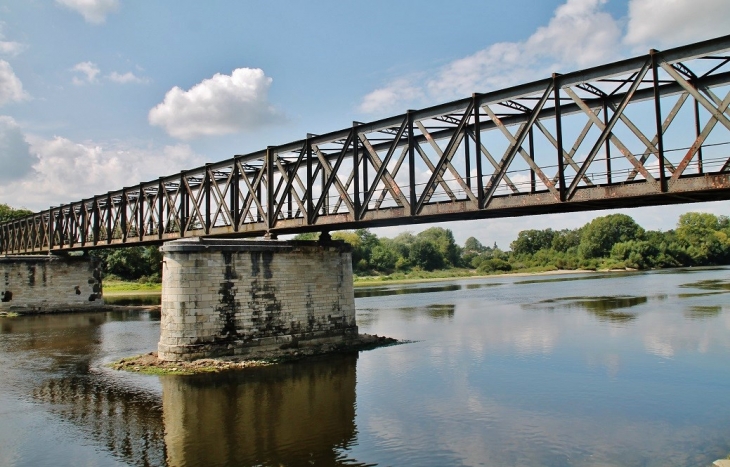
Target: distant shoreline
(119,289)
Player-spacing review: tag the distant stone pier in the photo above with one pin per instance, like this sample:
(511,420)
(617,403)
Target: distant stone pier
(49,284)
(237,297)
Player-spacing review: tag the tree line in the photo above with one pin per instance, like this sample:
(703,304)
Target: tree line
(614,241)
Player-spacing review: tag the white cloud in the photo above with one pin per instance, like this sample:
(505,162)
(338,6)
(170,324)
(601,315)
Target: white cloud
(219,105)
(667,23)
(399,90)
(68,171)
(126,78)
(93,11)
(11,89)
(16,159)
(11,48)
(579,34)
(89,71)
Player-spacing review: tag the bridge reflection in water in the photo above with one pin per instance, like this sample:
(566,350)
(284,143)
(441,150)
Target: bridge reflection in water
(276,415)
(279,415)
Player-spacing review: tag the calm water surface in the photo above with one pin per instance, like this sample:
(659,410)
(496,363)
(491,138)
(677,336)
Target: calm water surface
(577,370)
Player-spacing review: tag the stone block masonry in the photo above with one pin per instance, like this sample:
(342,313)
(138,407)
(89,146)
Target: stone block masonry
(237,297)
(49,284)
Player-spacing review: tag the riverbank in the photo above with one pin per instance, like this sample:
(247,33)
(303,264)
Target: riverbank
(121,288)
(149,364)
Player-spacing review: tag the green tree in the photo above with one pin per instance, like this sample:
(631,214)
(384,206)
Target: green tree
(531,241)
(638,254)
(131,263)
(8,213)
(307,236)
(704,237)
(565,239)
(472,245)
(426,256)
(443,240)
(599,235)
(384,258)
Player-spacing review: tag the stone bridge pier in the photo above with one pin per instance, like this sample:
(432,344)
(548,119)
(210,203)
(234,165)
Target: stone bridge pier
(239,297)
(49,284)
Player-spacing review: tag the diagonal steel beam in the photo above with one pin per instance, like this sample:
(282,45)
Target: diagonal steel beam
(709,126)
(522,133)
(720,116)
(665,126)
(510,137)
(454,173)
(386,177)
(449,152)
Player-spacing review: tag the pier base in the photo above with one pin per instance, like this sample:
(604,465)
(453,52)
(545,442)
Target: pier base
(240,297)
(49,284)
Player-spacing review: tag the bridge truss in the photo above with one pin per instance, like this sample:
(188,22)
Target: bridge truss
(650,130)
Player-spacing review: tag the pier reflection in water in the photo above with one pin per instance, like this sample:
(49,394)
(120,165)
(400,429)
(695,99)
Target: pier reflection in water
(618,369)
(290,414)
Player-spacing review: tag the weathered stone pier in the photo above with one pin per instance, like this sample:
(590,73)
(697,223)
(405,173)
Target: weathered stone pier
(237,297)
(48,284)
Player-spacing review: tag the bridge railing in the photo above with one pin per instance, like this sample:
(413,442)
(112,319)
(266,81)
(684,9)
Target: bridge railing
(652,129)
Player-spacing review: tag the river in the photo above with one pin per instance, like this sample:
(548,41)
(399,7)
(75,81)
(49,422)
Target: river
(615,369)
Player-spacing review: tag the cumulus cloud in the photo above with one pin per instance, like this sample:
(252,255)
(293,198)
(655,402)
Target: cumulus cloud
(579,34)
(11,48)
(16,158)
(93,11)
(667,23)
(88,72)
(125,78)
(219,105)
(69,171)
(11,89)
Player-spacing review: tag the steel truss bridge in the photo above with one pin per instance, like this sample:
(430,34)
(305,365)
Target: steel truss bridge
(650,130)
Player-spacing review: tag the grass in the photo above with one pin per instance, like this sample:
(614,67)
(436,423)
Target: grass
(413,276)
(118,286)
(8,314)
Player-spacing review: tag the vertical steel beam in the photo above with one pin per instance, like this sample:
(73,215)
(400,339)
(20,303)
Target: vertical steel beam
(310,182)
(234,196)
(559,134)
(123,207)
(50,229)
(141,200)
(658,119)
(270,188)
(82,217)
(183,195)
(478,149)
(609,178)
(531,144)
(365,181)
(206,193)
(109,231)
(97,218)
(356,169)
(324,200)
(467,158)
(698,131)
(411,164)
(160,208)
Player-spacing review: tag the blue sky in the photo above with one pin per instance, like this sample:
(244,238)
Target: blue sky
(99,94)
